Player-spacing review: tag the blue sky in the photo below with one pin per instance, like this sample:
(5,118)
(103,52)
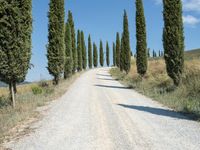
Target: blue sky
(102,19)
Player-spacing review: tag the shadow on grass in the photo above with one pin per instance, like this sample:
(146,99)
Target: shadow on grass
(158,111)
(113,87)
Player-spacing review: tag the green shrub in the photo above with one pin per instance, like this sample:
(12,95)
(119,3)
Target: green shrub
(49,90)
(4,101)
(43,84)
(37,90)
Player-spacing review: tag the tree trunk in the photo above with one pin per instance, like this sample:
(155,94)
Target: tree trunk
(12,94)
(15,87)
(56,80)
(65,76)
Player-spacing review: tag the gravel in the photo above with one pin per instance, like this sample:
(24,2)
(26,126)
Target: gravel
(98,113)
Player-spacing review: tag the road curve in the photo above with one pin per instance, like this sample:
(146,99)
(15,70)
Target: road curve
(98,113)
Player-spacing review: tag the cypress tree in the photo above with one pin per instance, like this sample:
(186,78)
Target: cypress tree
(95,55)
(126,52)
(101,54)
(131,53)
(118,47)
(15,42)
(173,39)
(114,54)
(73,38)
(79,50)
(26,24)
(68,52)
(141,39)
(84,53)
(107,54)
(121,65)
(56,45)
(89,52)
(149,52)
(162,53)
(153,53)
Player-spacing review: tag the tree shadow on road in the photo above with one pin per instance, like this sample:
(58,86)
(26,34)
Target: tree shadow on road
(104,75)
(113,87)
(157,111)
(106,79)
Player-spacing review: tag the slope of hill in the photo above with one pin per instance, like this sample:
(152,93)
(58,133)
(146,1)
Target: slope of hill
(192,54)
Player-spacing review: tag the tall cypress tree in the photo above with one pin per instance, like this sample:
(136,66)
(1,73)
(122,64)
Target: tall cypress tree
(101,54)
(107,54)
(126,52)
(173,39)
(26,24)
(148,52)
(68,52)
(89,52)
(121,65)
(141,46)
(79,50)
(95,55)
(73,38)
(56,45)
(114,54)
(118,47)
(15,42)
(84,53)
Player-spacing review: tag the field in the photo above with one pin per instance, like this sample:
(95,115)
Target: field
(193,54)
(157,85)
(29,97)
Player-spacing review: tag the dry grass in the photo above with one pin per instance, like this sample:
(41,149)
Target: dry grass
(192,54)
(159,86)
(4,91)
(27,102)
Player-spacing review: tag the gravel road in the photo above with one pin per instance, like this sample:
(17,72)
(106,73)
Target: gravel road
(98,113)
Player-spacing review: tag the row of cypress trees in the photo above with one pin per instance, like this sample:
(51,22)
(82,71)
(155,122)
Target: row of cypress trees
(121,49)
(67,53)
(15,42)
(173,41)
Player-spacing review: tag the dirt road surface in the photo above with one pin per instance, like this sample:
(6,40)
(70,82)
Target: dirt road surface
(98,113)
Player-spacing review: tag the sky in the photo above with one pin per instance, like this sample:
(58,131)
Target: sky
(102,19)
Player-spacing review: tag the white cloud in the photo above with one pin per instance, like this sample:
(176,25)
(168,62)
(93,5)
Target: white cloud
(188,5)
(191,5)
(158,1)
(190,20)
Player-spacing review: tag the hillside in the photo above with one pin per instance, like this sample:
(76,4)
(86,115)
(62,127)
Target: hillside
(192,54)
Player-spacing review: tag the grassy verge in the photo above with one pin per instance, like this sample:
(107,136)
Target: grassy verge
(28,99)
(157,85)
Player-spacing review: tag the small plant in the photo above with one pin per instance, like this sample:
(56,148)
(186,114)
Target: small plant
(37,90)
(43,84)
(49,90)
(4,101)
